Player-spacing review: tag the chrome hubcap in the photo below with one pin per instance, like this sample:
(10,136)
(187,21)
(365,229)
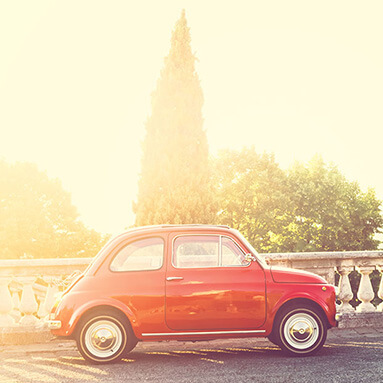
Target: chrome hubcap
(103,338)
(301,331)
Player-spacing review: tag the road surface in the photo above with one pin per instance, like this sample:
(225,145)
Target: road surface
(357,357)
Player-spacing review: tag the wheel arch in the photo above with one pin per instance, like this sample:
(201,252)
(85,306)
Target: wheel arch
(300,302)
(80,314)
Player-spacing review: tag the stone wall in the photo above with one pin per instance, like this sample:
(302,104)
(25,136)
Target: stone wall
(28,288)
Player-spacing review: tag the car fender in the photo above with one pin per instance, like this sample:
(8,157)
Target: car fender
(321,301)
(113,303)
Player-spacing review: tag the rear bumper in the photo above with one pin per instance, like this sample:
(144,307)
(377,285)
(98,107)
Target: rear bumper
(54,324)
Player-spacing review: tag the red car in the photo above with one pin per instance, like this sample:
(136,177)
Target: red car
(190,282)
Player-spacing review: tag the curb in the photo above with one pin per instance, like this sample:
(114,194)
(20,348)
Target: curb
(24,335)
(361,320)
(52,347)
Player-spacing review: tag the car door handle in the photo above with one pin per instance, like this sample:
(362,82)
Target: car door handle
(174,278)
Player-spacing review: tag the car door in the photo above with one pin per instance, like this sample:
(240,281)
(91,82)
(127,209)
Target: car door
(211,286)
(136,277)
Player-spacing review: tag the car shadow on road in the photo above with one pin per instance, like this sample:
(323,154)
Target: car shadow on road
(212,355)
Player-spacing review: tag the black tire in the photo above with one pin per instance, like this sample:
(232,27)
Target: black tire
(273,339)
(104,337)
(301,331)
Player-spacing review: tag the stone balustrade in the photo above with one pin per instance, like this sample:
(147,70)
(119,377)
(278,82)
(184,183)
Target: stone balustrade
(328,264)
(28,288)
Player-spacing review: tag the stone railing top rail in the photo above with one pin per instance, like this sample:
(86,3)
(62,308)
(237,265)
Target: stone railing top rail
(48,266)
(333,256)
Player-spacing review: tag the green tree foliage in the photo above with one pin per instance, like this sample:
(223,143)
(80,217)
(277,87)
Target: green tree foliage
(329,212)
(37,218)
(253,195)
(174,185)
(311,207)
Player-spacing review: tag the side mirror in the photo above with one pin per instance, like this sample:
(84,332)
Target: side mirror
(249,257)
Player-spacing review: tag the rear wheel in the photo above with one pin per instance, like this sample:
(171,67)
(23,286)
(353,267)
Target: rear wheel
(301,331)
(105,338)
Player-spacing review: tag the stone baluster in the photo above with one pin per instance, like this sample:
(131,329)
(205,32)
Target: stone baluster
(6,319)
(345,291)
(16,306)
(365,291)
(41,311)
(28,304)
(380,292)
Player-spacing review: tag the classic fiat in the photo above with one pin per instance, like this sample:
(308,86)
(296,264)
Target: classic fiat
(190,282)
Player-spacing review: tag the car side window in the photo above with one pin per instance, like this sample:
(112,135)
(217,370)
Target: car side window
(198,251)
(144,254)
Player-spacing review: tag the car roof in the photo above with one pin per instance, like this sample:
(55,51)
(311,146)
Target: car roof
(175,226)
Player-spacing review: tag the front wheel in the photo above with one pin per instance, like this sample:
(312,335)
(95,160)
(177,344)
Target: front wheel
(105,338)
(301,331)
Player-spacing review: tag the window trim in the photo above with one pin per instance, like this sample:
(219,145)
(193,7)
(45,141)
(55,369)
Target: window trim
(219,251)
(138,270)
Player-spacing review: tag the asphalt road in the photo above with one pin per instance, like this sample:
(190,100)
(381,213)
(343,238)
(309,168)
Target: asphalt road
(359,359)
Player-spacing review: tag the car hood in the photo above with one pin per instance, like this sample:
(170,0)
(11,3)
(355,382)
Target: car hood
(285,275)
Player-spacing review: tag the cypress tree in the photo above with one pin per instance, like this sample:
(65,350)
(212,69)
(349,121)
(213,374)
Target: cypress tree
(174,185)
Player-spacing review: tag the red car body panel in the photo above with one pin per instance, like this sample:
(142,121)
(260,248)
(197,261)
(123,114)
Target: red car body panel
(285,275)
(196,303)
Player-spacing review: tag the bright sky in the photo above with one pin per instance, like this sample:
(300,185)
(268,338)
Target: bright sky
(292,77)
